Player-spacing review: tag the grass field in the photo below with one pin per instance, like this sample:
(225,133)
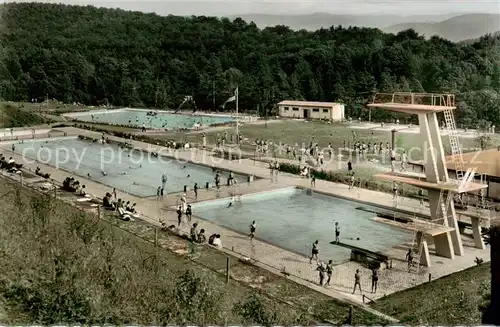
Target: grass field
(451,300)
(62,266)
(297,132)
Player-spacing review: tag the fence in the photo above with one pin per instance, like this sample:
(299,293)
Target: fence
(154,236)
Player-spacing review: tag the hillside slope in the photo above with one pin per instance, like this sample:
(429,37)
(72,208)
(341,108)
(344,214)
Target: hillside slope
(454,27)
(464,27)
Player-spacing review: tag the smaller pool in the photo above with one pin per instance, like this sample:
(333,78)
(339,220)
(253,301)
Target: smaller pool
(133,171)
(293,220)
(140,117)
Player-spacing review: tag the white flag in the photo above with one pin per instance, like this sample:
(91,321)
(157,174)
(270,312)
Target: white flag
(231,99)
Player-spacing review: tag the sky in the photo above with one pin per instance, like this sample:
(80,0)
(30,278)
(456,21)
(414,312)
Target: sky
(234,7)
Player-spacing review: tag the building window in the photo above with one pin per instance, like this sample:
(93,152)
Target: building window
(315,110)
(286,108)
(326,110)
(295,109)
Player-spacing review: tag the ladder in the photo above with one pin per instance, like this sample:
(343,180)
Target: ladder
(456,151)
(445,203)
(416,249)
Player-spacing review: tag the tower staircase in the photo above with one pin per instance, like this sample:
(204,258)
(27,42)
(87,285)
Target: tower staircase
(456,151)
(416,249)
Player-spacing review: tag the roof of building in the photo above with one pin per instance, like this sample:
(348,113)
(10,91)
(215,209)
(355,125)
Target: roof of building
(308,103)
(486,162)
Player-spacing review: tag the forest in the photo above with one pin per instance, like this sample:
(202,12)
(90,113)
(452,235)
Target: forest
(107,56)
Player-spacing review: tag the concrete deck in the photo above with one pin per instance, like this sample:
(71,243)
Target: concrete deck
(274,258)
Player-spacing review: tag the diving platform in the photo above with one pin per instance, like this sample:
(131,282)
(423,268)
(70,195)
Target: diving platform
(443,226)
(414,103)
(420,181)
(410,108)
(427,227)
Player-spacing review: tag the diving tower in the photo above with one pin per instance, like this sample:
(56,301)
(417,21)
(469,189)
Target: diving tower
(443,226)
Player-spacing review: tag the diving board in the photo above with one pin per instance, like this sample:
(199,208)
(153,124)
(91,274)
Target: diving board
(421,182)
(410,108)
(417,225)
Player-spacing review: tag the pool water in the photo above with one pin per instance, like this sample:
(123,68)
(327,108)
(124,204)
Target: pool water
(140,118)
(293,220)
(134,172)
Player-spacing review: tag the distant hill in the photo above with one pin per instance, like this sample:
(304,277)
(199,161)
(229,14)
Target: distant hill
(453,26)
(318,20)
(463,27)
(471,41)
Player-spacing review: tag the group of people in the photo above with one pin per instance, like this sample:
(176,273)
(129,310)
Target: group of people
(184,209)
(326,270)
(274,168)
(70,184)
(9,164)
(126,209)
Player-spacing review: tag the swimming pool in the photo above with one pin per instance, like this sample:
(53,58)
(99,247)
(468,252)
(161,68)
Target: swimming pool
(134,171)
(293,220)
(139,118)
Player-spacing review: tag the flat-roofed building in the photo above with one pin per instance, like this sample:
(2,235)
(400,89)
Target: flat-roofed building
(486,163)
(311,110)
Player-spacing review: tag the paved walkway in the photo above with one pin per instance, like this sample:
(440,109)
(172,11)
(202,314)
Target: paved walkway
(274,258)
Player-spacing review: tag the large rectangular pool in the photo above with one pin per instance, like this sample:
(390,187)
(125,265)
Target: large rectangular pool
(139,118)
(293,220)
(134,172)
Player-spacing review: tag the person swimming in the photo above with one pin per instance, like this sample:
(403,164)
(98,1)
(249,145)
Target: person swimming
(231,202)
(103,173)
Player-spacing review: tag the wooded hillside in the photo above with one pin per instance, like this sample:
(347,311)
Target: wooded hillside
(94,56)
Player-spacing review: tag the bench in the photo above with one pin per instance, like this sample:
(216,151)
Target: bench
(373,259)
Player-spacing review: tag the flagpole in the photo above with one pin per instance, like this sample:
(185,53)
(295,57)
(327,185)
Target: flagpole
(237,124)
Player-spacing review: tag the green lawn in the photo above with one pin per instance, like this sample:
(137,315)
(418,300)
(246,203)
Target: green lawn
(451,300)
(297,132)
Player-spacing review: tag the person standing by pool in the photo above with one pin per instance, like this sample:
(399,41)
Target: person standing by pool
(195,189)
(404,160)
(321,268)
(217,182)
(204,141)
(357,281)
(337,232)
(253,227)
(393,160)
(395,191)
(313,181)
(409,259)
(352,181)
(164,180)
(374,280)
(158,192)
(276,170)
(315,252)
(184,203)
(189,212)
(329,271)
(114,193)
(179,216)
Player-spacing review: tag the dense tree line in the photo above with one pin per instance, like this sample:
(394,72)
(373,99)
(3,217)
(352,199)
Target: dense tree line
(96,56)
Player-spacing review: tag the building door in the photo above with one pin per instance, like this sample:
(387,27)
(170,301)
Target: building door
(306,113)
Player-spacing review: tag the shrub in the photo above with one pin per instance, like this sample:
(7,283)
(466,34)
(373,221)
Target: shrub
(17,117)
